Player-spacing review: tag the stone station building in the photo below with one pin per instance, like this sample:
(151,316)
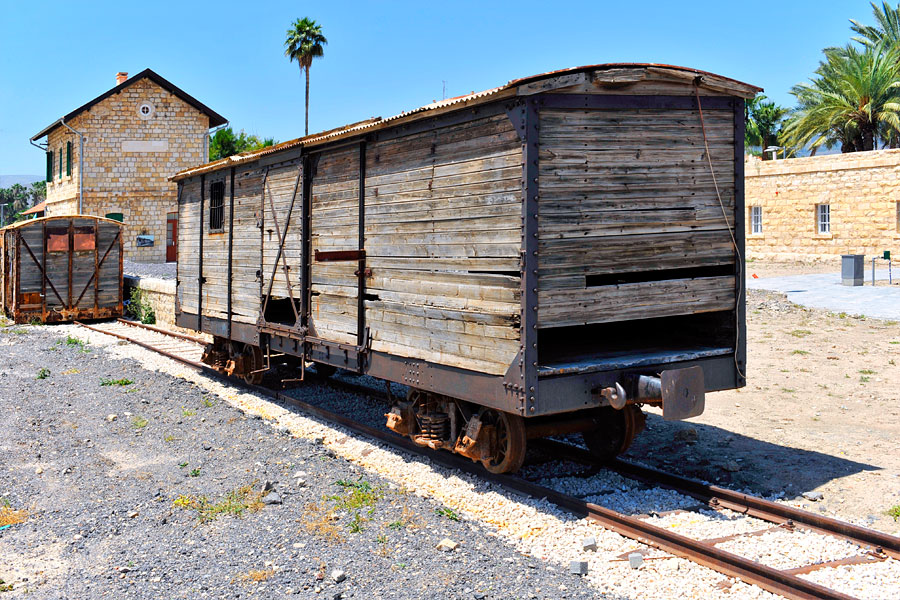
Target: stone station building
(135,136)
(821,207)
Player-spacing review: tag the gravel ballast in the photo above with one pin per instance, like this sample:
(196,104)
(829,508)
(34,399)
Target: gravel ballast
(111,476)
(527,545)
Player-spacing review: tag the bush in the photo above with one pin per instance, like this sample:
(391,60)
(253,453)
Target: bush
(138,308)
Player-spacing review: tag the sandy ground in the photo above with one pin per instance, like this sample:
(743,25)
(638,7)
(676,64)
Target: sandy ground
(821,412)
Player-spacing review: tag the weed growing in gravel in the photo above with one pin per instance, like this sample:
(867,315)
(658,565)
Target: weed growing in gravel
(235,503)
(71,372)
(318,520)
(182,465)
(894,511)
(800,352)
(120,382)
(866,372)
(5,587)
(447,512)
(357,494)
(169,438)
(77,343)
(788,390)
(187,413)
(139,422)
(207,401)
(43,373)
(355,524)
(864,379)
(801,333)
(194,473)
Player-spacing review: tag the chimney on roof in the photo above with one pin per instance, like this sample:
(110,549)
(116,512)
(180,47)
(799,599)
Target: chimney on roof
(121,76)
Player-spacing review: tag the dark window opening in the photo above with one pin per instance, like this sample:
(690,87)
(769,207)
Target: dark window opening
(216,206)
(278,310)
(661,275)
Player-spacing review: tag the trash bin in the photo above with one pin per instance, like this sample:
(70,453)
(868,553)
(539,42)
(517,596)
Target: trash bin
(852,266)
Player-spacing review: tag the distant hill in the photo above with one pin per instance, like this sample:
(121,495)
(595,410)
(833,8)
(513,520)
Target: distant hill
(7,181)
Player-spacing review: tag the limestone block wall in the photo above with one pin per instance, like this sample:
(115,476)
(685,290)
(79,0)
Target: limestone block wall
(862,190)
(160,294)
(128,157)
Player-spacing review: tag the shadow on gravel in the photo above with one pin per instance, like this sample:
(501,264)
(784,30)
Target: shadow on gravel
(736,461)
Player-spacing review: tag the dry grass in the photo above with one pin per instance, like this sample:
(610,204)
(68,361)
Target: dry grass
(319,520)
(254,576)
(10,516)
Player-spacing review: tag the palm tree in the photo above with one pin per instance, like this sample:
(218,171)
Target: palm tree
(853,99)
(304,43)
(763,123)
(887,31)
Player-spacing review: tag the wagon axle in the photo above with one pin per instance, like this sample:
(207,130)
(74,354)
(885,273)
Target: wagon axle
(499,439)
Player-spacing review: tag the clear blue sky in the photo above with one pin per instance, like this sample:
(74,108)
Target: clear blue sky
(382,57)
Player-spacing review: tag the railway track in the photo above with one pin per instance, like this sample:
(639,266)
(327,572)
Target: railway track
(874,546)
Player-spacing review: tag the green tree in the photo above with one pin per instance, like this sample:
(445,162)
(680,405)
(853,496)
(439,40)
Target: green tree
(887,30)
(17,198)
(304,43)
(853,99)
(226,143)
(763,124)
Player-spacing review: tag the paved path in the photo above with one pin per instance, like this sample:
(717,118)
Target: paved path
(826,291)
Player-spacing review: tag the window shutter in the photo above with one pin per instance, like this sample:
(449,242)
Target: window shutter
(49,154)
(60,163)
(68,158)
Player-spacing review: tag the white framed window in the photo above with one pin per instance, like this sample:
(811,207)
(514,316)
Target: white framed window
(823,219)
(756,219)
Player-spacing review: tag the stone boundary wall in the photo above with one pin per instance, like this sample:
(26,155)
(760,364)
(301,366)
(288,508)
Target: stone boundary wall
(861,188)
(160,294)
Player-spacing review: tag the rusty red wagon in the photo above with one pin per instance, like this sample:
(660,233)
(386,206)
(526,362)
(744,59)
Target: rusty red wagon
(61,268)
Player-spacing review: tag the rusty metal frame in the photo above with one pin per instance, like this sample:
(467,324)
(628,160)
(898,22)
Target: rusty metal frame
(340,255)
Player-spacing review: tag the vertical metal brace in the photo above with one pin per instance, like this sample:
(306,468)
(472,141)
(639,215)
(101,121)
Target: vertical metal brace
(739,224)
(305,253)
(361,268)
(529,350)
(200,259)
(177,263)
(230,249)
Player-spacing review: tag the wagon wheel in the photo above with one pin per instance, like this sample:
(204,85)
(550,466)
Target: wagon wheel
(256,363)
(509,442)
(614,431)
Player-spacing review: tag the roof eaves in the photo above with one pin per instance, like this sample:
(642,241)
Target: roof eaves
(215,119)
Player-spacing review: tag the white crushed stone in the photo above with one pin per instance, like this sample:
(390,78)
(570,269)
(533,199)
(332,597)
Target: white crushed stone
(874,581)
(708,524)
(783,549)
(534,527)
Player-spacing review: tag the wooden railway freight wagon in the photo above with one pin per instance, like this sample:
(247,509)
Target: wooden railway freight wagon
(62,268)
(543,257)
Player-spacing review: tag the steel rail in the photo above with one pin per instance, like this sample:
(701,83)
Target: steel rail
(729,564)
(719,497)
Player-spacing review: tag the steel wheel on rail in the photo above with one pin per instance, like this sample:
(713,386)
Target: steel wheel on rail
(256,361)
(509,441)
(614,431)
